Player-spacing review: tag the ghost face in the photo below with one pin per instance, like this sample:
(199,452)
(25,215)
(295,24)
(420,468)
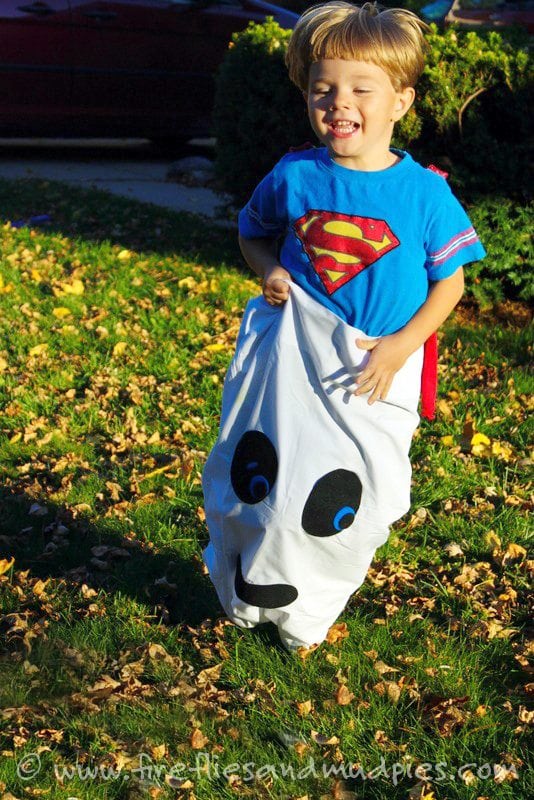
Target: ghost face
(330,506)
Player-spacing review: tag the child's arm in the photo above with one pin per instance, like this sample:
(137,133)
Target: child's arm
(388,353)
(262,256)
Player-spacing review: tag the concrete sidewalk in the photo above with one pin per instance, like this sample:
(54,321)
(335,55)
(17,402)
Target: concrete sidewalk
(125,167)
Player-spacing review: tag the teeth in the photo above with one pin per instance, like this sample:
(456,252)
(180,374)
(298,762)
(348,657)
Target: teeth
(347,125)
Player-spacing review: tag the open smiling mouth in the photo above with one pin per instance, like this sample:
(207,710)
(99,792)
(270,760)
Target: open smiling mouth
(344,129)
(269,595)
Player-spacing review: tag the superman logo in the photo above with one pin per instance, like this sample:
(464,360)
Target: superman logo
(340,246)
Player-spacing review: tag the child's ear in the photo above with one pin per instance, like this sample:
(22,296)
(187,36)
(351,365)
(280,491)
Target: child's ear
(403,103)
(305,96)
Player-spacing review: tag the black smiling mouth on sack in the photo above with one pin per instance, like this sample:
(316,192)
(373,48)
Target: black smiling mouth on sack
(331,507)
(268,595)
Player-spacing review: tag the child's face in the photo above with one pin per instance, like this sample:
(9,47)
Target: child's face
(352,106)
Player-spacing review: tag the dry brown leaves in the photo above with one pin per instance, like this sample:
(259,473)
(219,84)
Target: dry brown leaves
(446,715)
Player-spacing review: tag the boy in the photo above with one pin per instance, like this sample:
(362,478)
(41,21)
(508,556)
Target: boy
(379,243)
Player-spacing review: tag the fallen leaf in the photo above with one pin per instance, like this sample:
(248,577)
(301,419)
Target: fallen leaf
(158,653)
(179,783)
(38,350)
(444,409)
(75,287)
(492,540)
(382,739)
(103,687)
(344,696)
(120,349)
(382,668)
(331,658)
(61,312)
(513,552)
(198,740)
(337,632)
(209,675)
(525,715)
(501,450)
(502,773)
(39,587)
(468,777)
(452,549)
(87,592)
(158,751)
(304,652)
(371,654)
(304,708)
(187,283)
(421,791)
(320,738)
(447,715)
(389,688)
(5,565)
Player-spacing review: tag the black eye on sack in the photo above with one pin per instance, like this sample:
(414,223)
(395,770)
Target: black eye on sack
(332,504)
(254,467)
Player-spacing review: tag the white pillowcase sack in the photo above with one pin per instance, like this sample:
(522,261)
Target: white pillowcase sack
(305,477)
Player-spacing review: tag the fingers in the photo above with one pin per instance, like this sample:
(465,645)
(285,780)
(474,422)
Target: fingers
(275,298)
(366,381)
(377,385)
(380,391)
(366,344)
(276,291)
(387,356)
(374,379)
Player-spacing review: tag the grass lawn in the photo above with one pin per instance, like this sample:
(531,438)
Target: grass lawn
(119,678)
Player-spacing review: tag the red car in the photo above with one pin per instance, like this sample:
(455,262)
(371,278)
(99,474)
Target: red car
(141,68)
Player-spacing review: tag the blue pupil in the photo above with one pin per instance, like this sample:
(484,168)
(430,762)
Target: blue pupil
(344,518)
(259,486)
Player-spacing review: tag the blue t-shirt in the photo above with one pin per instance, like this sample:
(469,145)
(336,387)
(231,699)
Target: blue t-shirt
(364,244)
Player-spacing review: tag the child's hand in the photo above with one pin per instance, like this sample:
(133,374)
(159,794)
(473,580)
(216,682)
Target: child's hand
(388,354)
(276,286)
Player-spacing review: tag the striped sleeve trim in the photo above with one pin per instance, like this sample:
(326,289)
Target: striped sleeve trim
(458,242)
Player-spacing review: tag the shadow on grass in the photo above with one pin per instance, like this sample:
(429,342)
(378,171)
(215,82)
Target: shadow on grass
(99,216)
(168,582)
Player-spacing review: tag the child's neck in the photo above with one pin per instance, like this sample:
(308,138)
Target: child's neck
(390,159)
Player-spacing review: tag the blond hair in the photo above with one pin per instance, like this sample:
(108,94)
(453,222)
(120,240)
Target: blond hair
(392,38)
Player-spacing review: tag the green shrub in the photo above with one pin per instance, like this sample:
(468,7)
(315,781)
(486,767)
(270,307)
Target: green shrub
(505,229)
(259,114)
(473,101)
